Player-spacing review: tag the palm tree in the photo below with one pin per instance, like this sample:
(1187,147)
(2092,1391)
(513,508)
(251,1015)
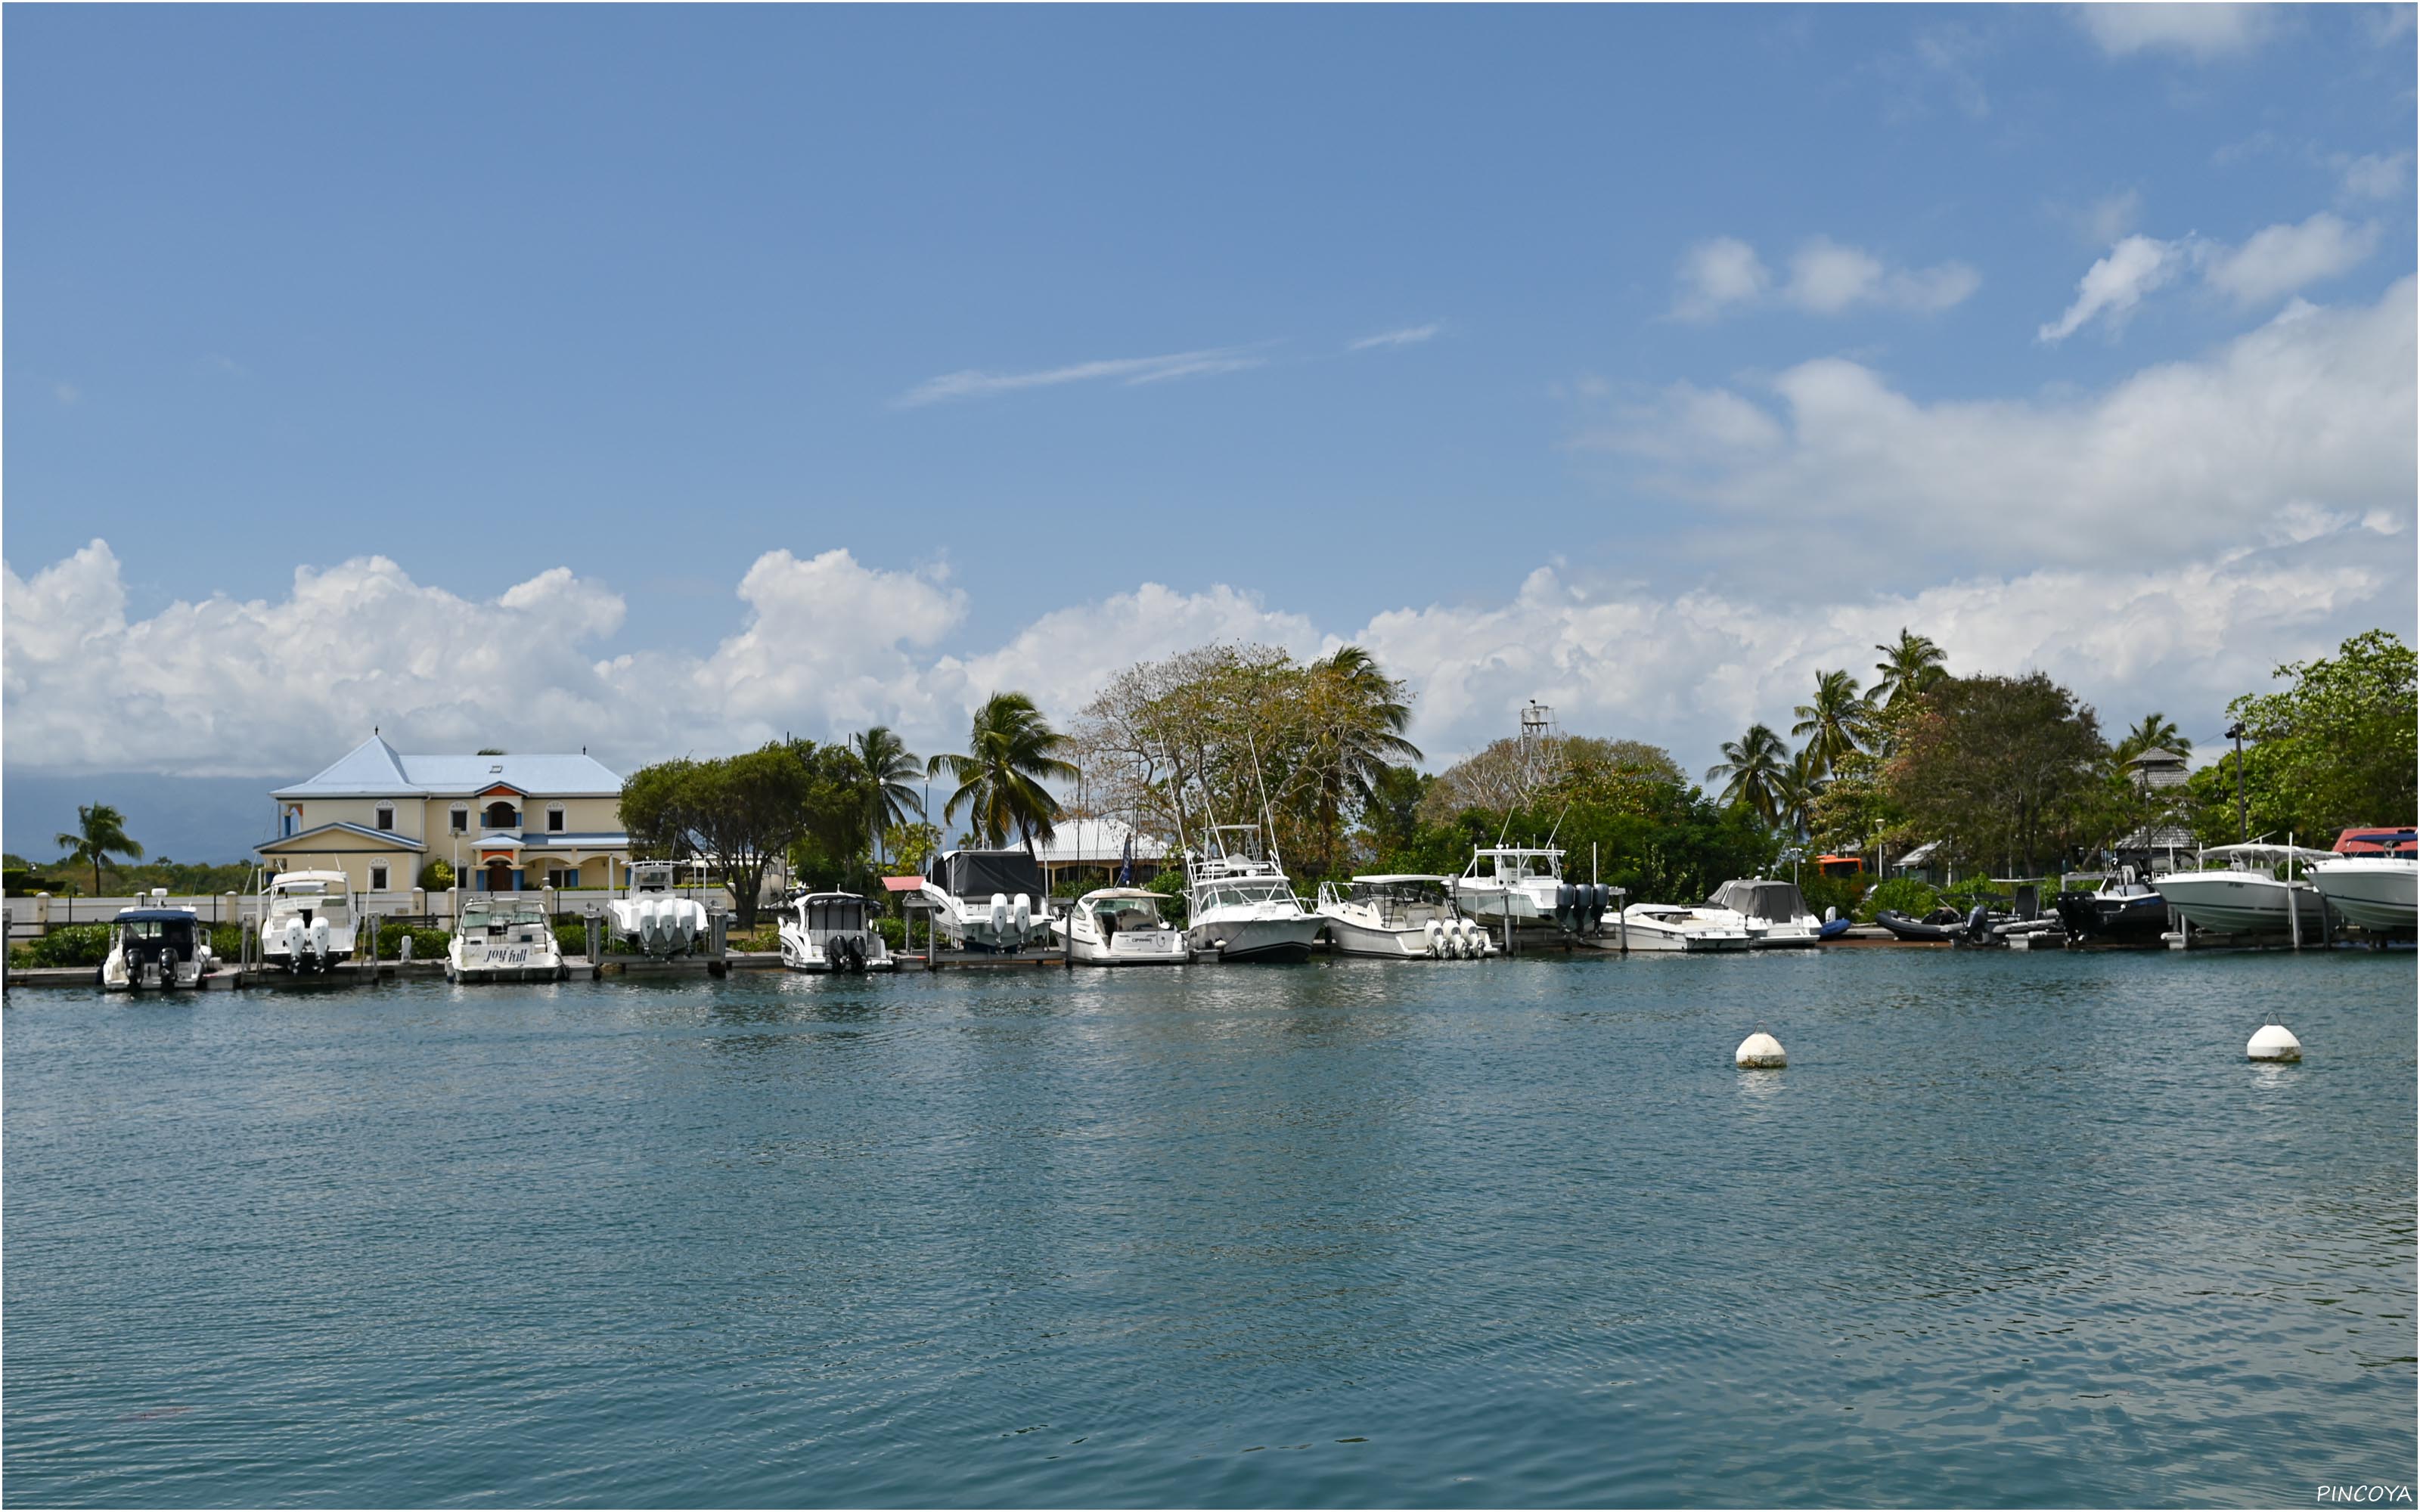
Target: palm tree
(99,834)
(890,767)
(2156,729)
(1837,720)
(1361,735)
(1795,790)
(1009,749)
(1754,764)
(1912,665)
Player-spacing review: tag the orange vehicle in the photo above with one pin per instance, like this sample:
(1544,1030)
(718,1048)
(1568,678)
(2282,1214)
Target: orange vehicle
(1840,865)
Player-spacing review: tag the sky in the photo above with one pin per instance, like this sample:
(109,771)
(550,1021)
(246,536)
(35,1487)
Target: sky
(665,380)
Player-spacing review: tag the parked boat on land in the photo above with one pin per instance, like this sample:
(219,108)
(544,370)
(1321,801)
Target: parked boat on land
(1121,927)
(2124,910)
(2372,878)
(1525,883)
(504,937)
(833,932)
(155,946)
(653,918)
(2243,895)
(988,901)
(1679,927)
(1239,903)
(307,921)
(1400,917)
(1941,926)
(1776,912)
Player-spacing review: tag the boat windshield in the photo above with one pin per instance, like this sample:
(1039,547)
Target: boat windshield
(1245,894)
(300,890)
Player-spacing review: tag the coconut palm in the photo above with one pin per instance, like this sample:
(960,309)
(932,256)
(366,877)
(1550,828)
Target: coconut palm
(99,834)
(1362,734)
(1910,665)
(1837,720)
(1009,750)
(890,767)
(1754,762)
(2157,729)
(1795,790)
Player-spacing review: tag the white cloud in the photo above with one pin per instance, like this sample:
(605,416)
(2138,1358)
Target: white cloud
(1826,277)
(1409,336)
(2315,405)
(2372,176)
(2280,259)
(973,383)
(2111,288)
(2112,216)
(2198,31)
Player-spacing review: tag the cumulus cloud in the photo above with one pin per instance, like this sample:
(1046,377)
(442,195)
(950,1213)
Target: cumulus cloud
(2112,286)
(2373,176)
(1718,274)
(2281,259)
(974,383)
(2198,31)
(2316,404)
(1826,277)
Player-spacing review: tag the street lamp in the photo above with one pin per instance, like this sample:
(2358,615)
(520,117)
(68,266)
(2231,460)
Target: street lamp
(2242,815)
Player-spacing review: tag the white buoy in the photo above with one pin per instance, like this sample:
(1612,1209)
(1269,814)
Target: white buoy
(2273,1041)
(1760,1052)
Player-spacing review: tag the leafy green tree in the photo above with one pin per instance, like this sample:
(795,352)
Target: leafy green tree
(2005,771)
(1010,751)
(738,811)
(1910,665)
(1357,716)
(1797,790)
(99,834)
(1835,724)
(1392,814)
(892,768)
(1754,765)
(2336,748)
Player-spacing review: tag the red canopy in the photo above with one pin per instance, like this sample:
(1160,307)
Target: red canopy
(903,884)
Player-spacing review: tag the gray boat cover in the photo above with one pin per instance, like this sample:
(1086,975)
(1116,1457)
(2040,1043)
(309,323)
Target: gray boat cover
(1777,901)
(981,873)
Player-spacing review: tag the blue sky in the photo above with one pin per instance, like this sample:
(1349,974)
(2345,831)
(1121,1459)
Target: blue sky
(1332,323)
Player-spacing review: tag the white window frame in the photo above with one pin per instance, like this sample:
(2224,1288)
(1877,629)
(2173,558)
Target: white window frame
(378,876)
(460,820)
(555,819)
(382,817)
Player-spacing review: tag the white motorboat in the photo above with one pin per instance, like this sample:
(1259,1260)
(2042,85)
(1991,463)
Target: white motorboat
(988,901)
(1679,927)
(307,922)
(1121,927)
(503,937)
(155,946)
(2243,895)
(1525,883)
(1400,917)
(1239,905)
(833,932)
(653,918)
(2375,888)
(1776,912)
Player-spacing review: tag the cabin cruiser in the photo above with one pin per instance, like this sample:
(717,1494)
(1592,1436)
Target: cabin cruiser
(155,946)
(2124,910)
(1679,927)
(833,932)
(654,918)
(1776,912)
(2243,895)
(1400,917)
(1239,905)
(503,937)
(2370,879)
(306,921)
(990,901)
(1121,927)
(1525,883)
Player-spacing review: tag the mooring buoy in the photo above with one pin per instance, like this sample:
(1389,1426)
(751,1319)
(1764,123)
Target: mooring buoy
(2273,1041)
(1760,1052)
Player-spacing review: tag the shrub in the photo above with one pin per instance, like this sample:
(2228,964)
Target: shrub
(894,933)
(1963,896)
(73,945)
(437,876)
(1823,892)
(427,944)
(1904,895)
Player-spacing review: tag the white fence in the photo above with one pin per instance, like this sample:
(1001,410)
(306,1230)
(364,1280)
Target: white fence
(31,917)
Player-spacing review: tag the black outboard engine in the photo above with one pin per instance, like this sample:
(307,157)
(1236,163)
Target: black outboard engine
(1978,925)
(848,953)
(1567,906)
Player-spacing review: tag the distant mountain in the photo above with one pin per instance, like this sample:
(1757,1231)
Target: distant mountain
(212,820)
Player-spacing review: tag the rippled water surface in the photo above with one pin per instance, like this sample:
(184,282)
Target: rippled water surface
(2011,1229)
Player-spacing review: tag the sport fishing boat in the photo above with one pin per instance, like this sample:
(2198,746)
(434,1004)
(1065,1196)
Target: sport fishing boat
(1400,917)
(654,918)
(1525,883)
(1679,927)
(1121,927)
(988,901)
(306,921)
(2243,895)
(155,946)
(1776,912)
(2124,910)
(2370,879)
(833,932)
(503,937)
(1239,905)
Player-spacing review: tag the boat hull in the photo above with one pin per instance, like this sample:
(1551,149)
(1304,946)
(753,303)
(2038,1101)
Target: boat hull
(1257,939)
(1139,948)
(2140,920)
(1345,937)
(2378,895)
(2236,903)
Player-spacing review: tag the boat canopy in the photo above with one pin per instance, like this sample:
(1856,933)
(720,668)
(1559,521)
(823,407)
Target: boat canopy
(981,873)
(1759,898)
(835,910)
(2259,852)
(1108,895)
(2378,842)
(155,916)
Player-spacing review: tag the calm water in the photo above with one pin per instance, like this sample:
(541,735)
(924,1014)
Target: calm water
(2012,1229)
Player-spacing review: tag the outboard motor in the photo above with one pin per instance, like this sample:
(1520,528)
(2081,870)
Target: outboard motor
(321,941)
(1978,924)
(999,917)
(1022,915)
(1566,900)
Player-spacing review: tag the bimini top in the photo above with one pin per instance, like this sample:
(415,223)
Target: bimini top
(2378,842)
(1382,877)
(2259,852)
(155,916)
(1126,894)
